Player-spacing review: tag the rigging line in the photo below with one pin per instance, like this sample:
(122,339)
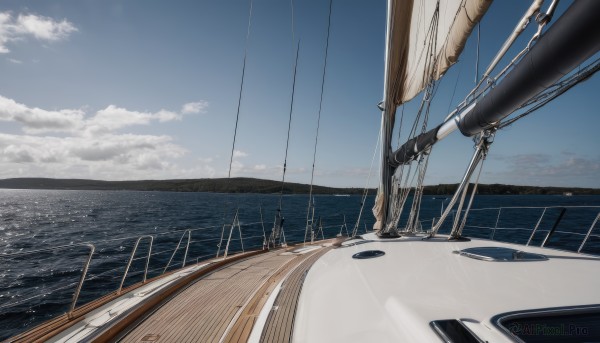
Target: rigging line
(428,75)
(401,194)
(366,189)
(292,23)
(400,127)
(567,83)
(400,199)
(427,48)
(454,91)
(237,116)
(416,205)
(573,81)
(287,144)
(477,60)
(312,175)
(473,192)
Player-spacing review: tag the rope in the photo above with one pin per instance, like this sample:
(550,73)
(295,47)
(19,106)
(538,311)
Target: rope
(292,23)
(454,91)
(278,224)
(366,190)
(400,195)
(237,116)
(564,86)
(287,144)
(400,127)
(312,175)
(262,223)
(477,60)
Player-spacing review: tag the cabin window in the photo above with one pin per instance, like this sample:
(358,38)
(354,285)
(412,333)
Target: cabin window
(453,331)
(554,325)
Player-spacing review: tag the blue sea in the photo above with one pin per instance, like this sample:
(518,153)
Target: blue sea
(37,280)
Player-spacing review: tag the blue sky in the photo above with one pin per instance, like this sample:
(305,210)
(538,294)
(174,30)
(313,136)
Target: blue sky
(121,90)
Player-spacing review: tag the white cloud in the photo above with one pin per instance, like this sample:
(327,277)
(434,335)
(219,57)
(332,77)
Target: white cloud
(164,115)
(122,153)
(17,153)
(31,25)
(15,61)
(113,117)
(90,145)
(36,120)
(567,169)
(237,166)
(205,160)
(5,31)
(116,147)
(44,28)
(262,170)
(194,107)
(239,153)
(39,120)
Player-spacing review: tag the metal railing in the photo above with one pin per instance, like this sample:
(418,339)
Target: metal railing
(109,274)
(84,270)
(187,247)
(536,228)
(589,233)
(86,266)
(137,242)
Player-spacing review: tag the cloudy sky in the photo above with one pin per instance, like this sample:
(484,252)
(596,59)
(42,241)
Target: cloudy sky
(119,90)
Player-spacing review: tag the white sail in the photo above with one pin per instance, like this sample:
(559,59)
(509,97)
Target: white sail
(426,38)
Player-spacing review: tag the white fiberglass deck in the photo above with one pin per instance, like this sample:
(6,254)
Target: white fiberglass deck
(393,298)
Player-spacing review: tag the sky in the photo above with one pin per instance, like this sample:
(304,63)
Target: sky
(127,90)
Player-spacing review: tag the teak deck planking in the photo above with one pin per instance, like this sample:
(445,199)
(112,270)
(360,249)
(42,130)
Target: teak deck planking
(228,298)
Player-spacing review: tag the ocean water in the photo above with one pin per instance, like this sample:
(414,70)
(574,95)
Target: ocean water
(43,235)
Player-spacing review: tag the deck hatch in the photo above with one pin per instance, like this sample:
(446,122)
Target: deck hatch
(368,254)
(500,254)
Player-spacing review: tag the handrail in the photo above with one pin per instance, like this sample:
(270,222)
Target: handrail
(589,233)
(113,274)
(497,220)
(137,242)
(536,229)
(236,221)
(86,265)
(536,226)
(30,252)
(534,207)
(189,233)
(344,226)
(560,217)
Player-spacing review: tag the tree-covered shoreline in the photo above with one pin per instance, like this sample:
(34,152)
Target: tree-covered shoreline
(251,185)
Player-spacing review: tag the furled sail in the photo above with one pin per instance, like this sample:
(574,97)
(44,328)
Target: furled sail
(424,39)
(573,39)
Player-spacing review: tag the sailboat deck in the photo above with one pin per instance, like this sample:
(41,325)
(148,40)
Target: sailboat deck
(208,310)
(396,296)
(279,325)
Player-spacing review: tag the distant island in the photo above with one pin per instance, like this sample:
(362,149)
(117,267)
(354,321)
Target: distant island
(251,185)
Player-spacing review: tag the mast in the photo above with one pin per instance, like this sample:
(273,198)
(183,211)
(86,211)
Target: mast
(420,46)
(387,124)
